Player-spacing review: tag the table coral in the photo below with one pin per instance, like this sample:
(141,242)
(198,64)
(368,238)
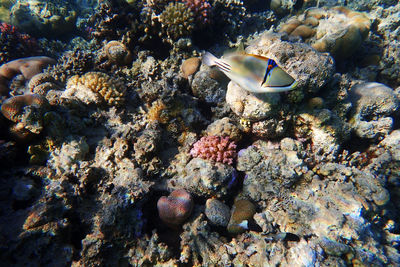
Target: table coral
(95,87)
(338,30)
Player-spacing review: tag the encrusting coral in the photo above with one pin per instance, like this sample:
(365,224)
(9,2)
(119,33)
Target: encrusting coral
(95,87)
(215,148)
(338,30)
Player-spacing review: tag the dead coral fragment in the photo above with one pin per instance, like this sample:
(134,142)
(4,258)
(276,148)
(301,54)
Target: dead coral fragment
(215,148)
(96,87)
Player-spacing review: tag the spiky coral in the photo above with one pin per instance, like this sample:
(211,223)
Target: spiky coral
(215,148)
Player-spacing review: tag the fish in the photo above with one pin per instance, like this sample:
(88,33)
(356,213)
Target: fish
(256,74)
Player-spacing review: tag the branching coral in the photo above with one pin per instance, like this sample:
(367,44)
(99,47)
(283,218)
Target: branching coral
(201,9)
(215,148)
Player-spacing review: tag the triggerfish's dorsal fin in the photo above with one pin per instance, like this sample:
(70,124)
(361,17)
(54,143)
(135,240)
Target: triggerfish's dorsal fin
(259,57)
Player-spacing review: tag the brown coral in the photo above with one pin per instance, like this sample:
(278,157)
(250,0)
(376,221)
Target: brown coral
(102,85)
(42,83)
(13,107)
(28,67)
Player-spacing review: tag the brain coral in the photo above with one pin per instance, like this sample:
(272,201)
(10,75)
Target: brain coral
(338,30)
(96,87)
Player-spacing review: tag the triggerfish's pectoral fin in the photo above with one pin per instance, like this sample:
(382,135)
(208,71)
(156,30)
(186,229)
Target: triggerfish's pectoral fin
(278,80)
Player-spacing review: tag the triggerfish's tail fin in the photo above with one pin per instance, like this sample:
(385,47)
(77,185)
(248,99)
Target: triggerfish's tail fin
(211,60)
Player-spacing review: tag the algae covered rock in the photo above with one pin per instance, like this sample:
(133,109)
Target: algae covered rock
(251,106)
(268,169)
(205,178)
(373,105)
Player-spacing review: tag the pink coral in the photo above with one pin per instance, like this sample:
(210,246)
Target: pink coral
(201,9)
(215,148)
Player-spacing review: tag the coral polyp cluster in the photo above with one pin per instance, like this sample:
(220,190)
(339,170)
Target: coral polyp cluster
(215,148)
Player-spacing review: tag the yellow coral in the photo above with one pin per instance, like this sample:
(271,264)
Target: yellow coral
(110,90)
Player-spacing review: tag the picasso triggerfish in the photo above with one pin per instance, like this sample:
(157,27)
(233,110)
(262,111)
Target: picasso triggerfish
(253,73)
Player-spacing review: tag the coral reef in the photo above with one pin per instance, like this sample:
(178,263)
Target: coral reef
(146,157)
(44,18)
(338,30)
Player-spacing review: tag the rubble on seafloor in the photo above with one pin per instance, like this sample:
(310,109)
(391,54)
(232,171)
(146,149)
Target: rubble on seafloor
(121,148)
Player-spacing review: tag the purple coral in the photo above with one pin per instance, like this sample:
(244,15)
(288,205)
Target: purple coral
(215,148)
(201,9)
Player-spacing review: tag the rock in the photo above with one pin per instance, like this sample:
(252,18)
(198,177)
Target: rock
(217,212)
(250,106)
(205,178)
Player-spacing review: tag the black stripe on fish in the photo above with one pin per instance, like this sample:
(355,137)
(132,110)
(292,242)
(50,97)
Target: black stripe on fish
(270,66)
(223,66)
